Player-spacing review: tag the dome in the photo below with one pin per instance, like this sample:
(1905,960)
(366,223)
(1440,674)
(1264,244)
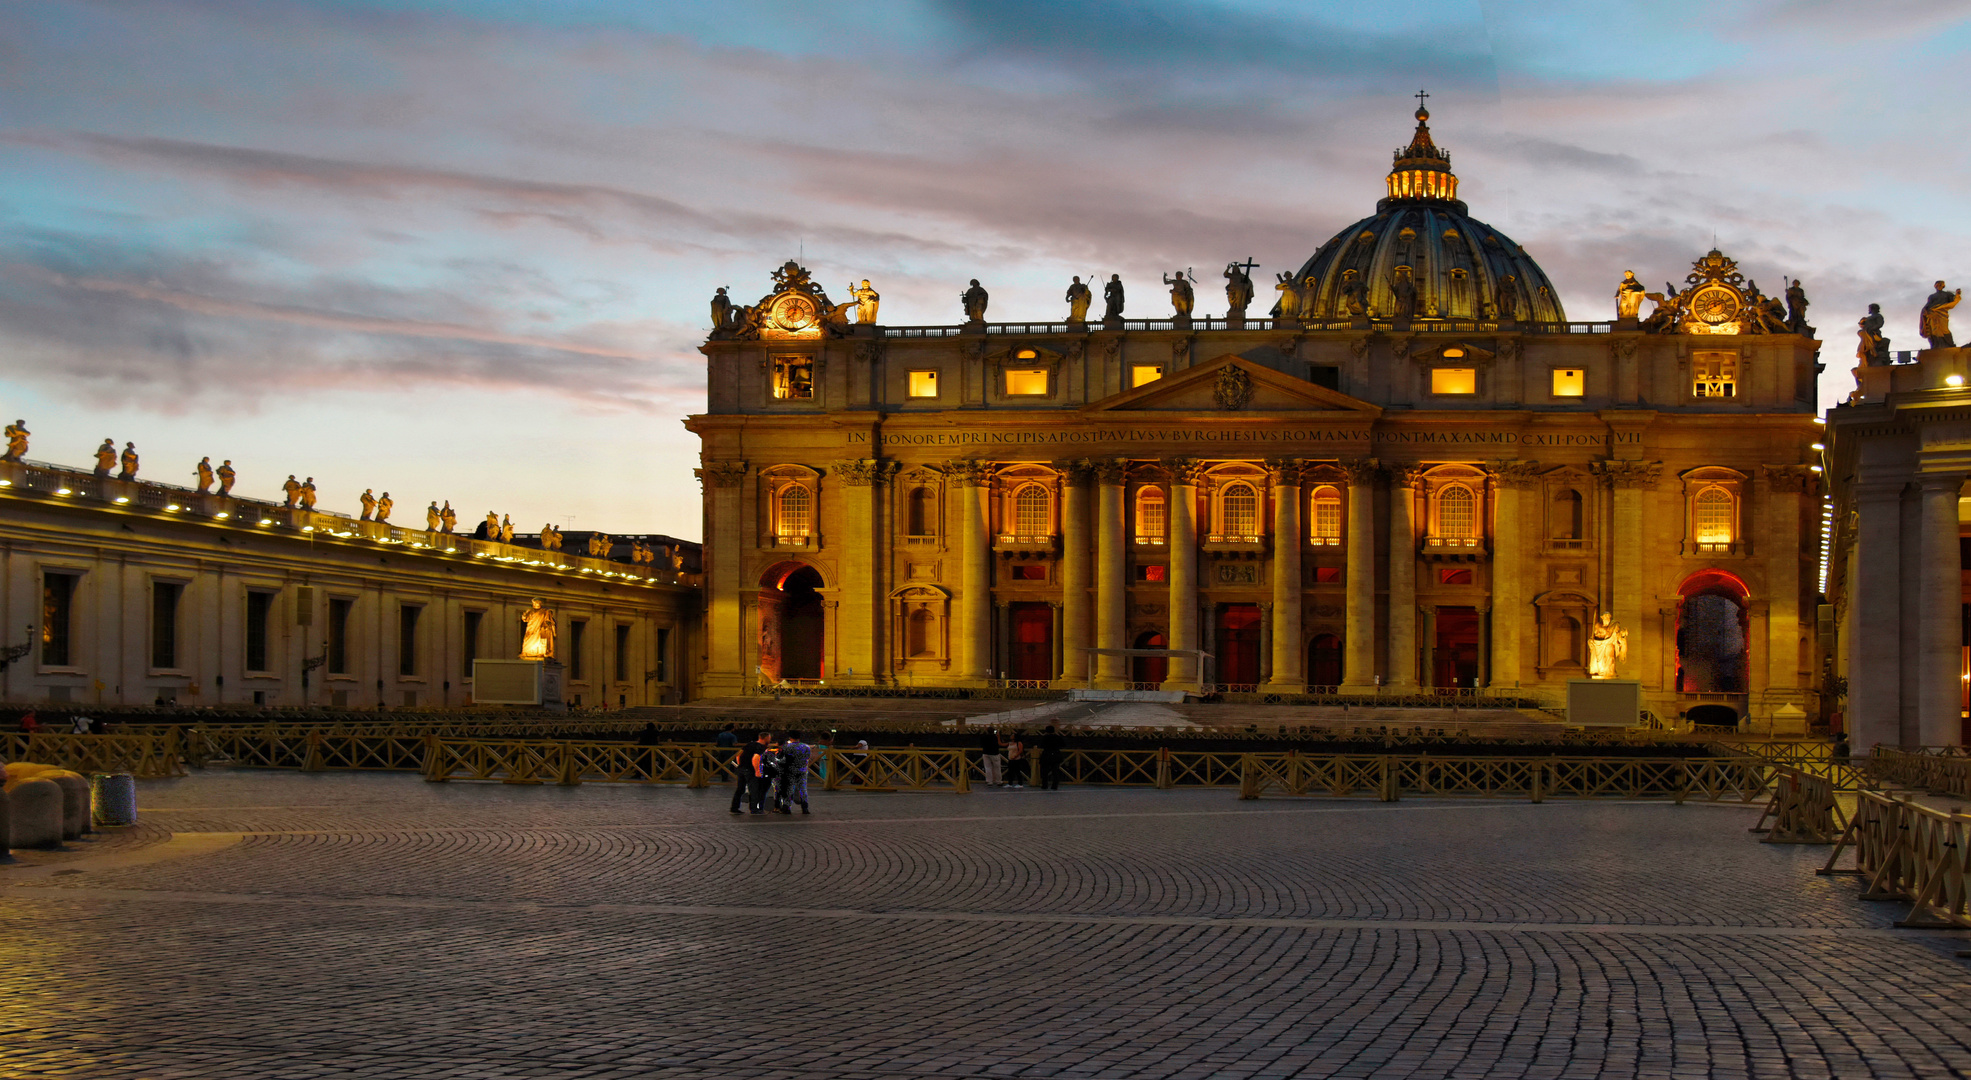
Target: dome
(1462,266)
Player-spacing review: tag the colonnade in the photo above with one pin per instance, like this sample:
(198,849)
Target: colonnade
(1906,634)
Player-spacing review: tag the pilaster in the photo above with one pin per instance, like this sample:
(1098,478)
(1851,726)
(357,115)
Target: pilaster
(1511,480)
(1940,612)
(1358,667)
(973,483)
(1289,658)
(1183,541)
(858,633)
(1075,568)
(1111,672)
(726,673)
(1403,659)
(1627,481)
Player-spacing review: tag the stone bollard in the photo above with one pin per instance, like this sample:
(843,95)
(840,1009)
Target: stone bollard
(113,797)
(75,802)
(36,808)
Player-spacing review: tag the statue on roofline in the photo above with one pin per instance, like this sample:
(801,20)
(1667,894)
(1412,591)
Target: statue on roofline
(974,299)
(203,470)
(1796,309)
(1078,300)
(1182,297)
(369,504)
(17,434)
(1289,290)
(866,301)
(383,507)
(1238,290)
(1629,296)
(1112,298)
(106,457)
(226,477)
(1873,349)
(1934,322)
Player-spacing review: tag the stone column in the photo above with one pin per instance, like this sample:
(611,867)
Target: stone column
(1111,592)
(1939,661)
(1403,661)
(1511,479)
(1358,663)
(1427,630)
(726,673)
(1875,647)
(1183,543)
(1786,488)
(1289,658)
(1627,481)
(1075,583)
(974,487)
(857,634)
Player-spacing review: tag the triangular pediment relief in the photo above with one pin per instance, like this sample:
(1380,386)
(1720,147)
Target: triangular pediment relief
(1248,388)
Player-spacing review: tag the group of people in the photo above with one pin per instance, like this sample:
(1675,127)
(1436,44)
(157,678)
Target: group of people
(770,764)
(1007,764)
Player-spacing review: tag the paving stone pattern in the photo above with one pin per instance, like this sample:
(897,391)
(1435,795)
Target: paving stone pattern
(379,926)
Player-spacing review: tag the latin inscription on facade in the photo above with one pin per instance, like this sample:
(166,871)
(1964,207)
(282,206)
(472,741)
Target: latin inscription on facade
(1246,435)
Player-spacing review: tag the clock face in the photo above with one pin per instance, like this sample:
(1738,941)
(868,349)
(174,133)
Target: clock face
(1715,305)
(793,312)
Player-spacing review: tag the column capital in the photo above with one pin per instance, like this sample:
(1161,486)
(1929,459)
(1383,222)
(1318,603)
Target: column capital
(1515,473)
(1285,472)
(1359,470)
(1791,479)
(1109,470)
(967,472)
(1940,481)
(721,474)
(862,472)
(1075,471)
(1406,476)
(1184,471)
(1624,474)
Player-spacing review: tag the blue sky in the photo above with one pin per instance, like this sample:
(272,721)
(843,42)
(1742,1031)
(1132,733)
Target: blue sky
(460,249)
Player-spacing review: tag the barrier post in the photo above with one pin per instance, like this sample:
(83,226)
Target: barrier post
(434,760)
(1390,790)
(1163,768)
(1248,778)
(571,768)
(832,779)
(1537,790)
(314,760)
(964,771)
(699,770)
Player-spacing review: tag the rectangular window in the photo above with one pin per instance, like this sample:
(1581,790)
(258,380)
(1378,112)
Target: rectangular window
(1327,518)
(1144,373)
(57,609)
(407,616)
(1327,575)
(259,618)
(1150,572)
(622,652)
(1030,572)
(576,629)
(1026,383)
(1570,382)
(1325,375)
(1453,576)
(338,636)
(472,621)
(923,384)
(1454,380)
(1716,375)
(164,623)
(663,654)
(793,378)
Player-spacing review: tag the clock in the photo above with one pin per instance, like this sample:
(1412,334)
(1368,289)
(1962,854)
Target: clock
(1715,309)
(793,312)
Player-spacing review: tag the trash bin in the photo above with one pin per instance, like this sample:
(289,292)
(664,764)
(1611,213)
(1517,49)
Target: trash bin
(113,798)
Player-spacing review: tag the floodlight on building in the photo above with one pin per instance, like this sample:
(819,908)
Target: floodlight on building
(266,521)
(173,507)
(6,483)
(121,499)
(1822,420)
(1813,468)
(222,515)
(478,554)
(451,551)
(1819,446)
(63,491)
(1953,380)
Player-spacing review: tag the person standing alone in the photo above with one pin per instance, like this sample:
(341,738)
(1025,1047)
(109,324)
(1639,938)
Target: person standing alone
(1050,759)
(1016,760)
(794,758)
(989,756)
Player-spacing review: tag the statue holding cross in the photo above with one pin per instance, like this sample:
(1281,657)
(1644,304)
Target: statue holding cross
(1238,288)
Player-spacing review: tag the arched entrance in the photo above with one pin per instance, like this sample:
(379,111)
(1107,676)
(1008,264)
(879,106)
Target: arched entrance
(1238,645)
(1723,716)
(1712,633)
(792,622)
(1324,660)
(1149,669)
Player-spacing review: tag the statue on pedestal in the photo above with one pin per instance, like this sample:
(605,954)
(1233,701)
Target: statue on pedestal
(974,299)
(1796,308)
(226,477)
(1608,645)
(292,489)
(1289,292)
(721,309)
(129,462)
(1112,298)
(1078,300)
(490,528)
(369,504)
(1628,296)
(308,494)
(1663,318)
(1182,296)
(506,529)
(1404,285)
(449,516)
(433,519)
(204,473)
(16,441)
(106,457)
(538,641)
(1354,295)
(1238,289)
(866,300)
(1873,348)
(1934,323)
(383,507)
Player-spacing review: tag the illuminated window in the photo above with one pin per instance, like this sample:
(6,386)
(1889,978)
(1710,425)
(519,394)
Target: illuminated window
(1713,513)
(923,384)
(1450,575)
(1327,515)
(1453,380)
(793,378)
(1452,353)
(1026,382)
(1239,511)
(1457,516)
(1151,516)
(1030,512)
(1025,354)
(1327,575)
(1150,572)
(793,517)
(1715,375)
(1030,572)
(1144,373)
(1570,382)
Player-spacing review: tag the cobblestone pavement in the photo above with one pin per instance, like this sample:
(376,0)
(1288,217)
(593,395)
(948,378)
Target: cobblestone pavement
(284,925)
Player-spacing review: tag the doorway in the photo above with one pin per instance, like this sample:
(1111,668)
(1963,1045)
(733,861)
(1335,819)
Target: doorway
(1711,634)
(1456,648)
(1324,661)
(791,623)
(1238,646)
(1150,670)
(1033,642)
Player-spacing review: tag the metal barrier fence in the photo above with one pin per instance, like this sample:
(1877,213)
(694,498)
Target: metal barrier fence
(147,757)
(1537,779)
(1905,851)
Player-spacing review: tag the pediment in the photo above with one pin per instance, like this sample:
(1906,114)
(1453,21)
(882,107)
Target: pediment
(1208,389)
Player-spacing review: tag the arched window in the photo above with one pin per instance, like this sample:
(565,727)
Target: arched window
(923,511)
(1567,514)
(1457,519)
(1239,511)
(1151,516)
(793,517)
(1031,515)
(1712,513)
(1327,515)
(922,633)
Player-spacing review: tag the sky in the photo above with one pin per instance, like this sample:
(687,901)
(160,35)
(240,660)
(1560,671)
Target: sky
(462,249)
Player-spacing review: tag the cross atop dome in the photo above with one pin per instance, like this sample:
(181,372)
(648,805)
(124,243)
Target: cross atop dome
(1422,169)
